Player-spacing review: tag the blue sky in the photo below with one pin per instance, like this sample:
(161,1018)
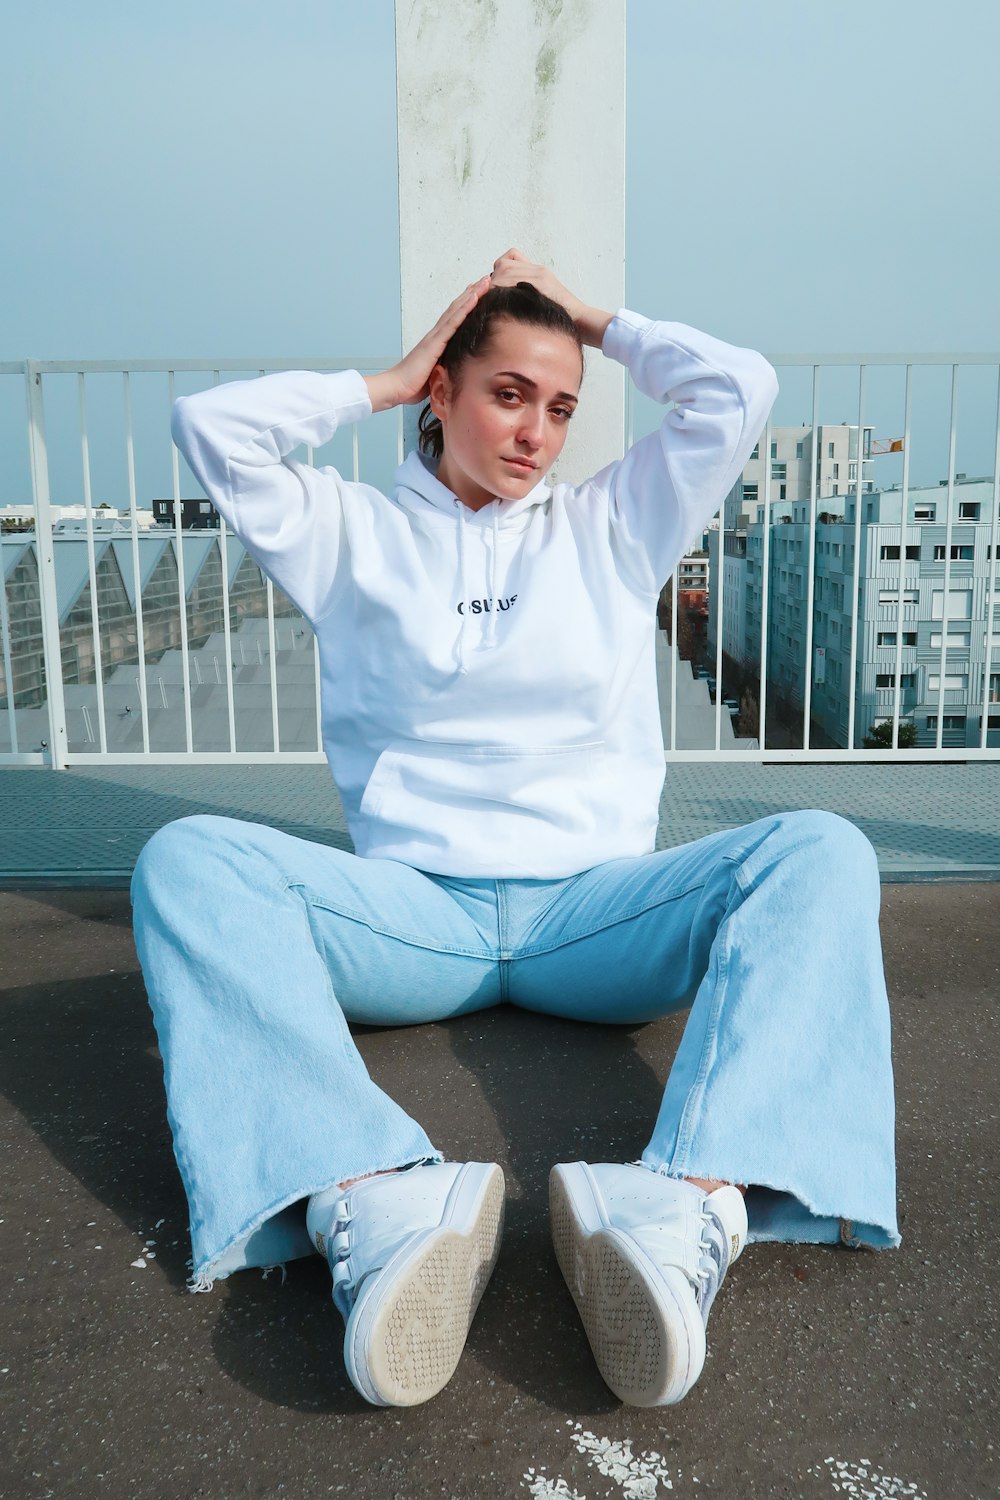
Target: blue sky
(218,178)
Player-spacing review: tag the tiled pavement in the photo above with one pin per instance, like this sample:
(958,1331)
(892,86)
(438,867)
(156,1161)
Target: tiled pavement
(936,821)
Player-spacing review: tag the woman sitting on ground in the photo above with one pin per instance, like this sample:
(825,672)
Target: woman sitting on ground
(490,715)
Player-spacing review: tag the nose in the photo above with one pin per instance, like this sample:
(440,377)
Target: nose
(531,431)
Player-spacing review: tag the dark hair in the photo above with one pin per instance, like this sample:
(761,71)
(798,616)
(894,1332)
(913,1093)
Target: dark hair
(522,303)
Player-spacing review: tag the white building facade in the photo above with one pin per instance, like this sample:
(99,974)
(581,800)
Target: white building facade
(794,452)
(899,617)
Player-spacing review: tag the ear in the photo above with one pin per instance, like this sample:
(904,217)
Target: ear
(439,391)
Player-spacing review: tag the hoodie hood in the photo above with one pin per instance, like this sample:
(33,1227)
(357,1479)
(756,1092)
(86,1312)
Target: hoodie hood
(417,488)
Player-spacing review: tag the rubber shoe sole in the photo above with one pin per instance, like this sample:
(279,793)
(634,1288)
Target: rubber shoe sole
(407,1330)
(642,1322)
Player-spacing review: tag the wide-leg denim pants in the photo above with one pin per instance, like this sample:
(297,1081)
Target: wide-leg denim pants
(258,948)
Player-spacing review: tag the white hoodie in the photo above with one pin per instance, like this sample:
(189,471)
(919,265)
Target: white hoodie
(488,680)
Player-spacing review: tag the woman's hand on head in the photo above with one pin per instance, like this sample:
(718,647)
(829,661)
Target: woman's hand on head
(514,266)
(406,383)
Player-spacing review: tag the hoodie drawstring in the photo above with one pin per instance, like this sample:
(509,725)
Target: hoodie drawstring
(462,665)
(491,633)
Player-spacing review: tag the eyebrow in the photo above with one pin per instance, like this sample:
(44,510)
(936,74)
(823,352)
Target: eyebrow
(533,385)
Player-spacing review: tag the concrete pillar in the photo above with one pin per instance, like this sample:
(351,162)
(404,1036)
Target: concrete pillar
(511,124)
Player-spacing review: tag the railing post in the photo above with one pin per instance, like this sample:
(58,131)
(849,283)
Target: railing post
(44,550)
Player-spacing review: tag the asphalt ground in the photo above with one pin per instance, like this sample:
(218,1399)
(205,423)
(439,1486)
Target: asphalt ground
(830,1371)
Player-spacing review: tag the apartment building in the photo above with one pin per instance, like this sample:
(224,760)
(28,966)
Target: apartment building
(901,611)
(831,449)
(692,572)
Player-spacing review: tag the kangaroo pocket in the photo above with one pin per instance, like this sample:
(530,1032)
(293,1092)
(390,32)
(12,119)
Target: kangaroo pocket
(430,792)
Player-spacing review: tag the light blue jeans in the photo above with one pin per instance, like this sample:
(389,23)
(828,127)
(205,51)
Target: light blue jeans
(258,948)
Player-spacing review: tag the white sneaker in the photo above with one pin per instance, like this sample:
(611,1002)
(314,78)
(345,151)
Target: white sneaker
(411,1253)
(643,1256)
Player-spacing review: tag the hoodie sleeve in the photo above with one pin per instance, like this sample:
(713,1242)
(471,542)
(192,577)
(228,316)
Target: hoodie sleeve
(670,484)
(238,438)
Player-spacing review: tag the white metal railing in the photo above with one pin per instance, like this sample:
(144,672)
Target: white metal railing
(93,742)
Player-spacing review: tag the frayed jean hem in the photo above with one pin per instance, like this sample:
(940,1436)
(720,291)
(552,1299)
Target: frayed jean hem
(231,1257)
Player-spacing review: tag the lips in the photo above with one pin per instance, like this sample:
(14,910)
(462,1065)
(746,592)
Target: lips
(523,464)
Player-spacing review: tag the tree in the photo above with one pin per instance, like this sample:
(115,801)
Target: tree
(879,737)
(687,645)
(749,719)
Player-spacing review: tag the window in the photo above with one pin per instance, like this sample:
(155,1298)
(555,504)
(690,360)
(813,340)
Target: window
(781,491)
(836,473)
(957,641)
(968,510)
(887,637)
(798,450)
(958,554)
(836,489)
(959,604)
(774,449)
(852,472)
(956,682)
(756,451)
(888,680)
(204,507)
(924,512)
(951,721)
(750,493)
(889,552)
(890,596)
(829,450)
(779,471)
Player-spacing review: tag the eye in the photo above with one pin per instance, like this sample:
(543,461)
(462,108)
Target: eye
(509,391)
(562,412)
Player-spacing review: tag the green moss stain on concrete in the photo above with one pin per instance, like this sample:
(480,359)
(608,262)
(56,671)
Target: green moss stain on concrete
(546,67)
(486,17)
(546,73)
(547,12)
(465,158)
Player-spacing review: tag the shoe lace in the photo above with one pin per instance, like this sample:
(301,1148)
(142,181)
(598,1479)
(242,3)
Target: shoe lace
(338,1250)
(711,1259)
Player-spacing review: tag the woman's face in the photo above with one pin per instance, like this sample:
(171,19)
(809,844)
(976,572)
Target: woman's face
(505,423)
